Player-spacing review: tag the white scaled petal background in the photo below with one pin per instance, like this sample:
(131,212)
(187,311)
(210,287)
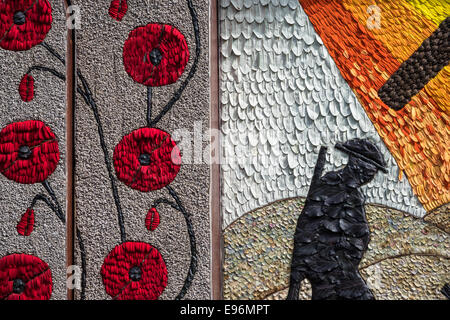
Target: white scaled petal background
(282,98)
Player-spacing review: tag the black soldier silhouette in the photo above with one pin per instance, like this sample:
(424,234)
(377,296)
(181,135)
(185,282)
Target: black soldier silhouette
(332,233)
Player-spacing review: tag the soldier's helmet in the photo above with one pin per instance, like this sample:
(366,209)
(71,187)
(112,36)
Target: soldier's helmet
(364,150)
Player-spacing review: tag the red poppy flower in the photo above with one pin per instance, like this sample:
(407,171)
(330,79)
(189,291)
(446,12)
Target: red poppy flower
(134,271)
(24,23)
(155,55)
(147,159)
(24,277)
(28,152)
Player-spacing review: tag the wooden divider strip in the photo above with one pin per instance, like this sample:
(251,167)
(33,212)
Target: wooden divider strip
(216,217)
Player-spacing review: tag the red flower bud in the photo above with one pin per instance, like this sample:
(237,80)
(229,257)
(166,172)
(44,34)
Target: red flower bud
(118,9)
(26,223)
(152,220)
(26,88)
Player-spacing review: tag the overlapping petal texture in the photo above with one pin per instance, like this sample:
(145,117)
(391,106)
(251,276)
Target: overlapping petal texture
(147,159)
(134,271)
(155,55)
(29,152)
(24,277)
(24,23)
(283,97)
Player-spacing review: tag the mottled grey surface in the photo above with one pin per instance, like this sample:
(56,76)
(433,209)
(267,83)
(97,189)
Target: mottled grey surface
(122,106)
(48,238)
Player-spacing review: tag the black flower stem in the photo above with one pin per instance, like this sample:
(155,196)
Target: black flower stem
(53,52)
(149,106)
(87,96)
(43,198)
(192,72)
(165,201)
(194,259)
(83,264)
(50,70)
(52,194)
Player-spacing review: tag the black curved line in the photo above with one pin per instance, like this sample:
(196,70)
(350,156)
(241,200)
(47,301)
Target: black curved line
(53,52)
(87,96)
(192,72)
(52,194)
(149,106)
(83,265)
(43,198)
(194,253)
(45,69)
(32,6)
(165,201)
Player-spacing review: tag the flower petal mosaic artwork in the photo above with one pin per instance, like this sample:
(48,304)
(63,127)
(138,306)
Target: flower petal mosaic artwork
(296,76)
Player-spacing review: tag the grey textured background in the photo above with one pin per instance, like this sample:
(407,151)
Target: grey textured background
(122,106)
(48,238)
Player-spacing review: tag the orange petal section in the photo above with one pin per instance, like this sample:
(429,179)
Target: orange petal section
(439,88)
(401,29)
(417,135)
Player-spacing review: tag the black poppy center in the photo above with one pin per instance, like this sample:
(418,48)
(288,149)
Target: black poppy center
(144,159)
(24,152)
(135,274)
(18,286)
(155,57)
(19,18)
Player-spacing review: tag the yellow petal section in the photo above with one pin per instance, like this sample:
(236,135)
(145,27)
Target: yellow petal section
(434,10)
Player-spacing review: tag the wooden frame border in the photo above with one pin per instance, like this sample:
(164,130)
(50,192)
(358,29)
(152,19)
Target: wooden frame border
(70,146)
(215,190)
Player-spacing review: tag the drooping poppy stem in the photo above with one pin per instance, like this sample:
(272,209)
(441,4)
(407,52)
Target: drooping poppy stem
(149,106)
(43,198)
(88,98)
(56,206)
(192,240)
(167,202)
(53,52)
(46,69)
(192,72)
